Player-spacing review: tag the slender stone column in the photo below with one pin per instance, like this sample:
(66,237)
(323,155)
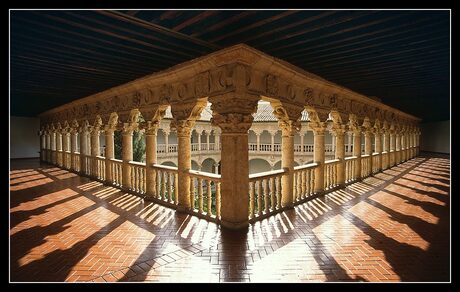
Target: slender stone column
(207,140)
(53,147)
(398,148)
(109,153)
(199,140)
(378,148)
(357,152)
(393,147)
(184,163)
(386,146)
(216,168)
(65,148)
(258,141)
(151,157)
(48,146)
(302,135)
(127,155)
(73,145)
(216,140)
(273,141)
(288,129)
(42,145)
(350,141)
(417,143)
(83,147)
(318,155)
(339,134)
(368,144)
(166,141)
(95,148)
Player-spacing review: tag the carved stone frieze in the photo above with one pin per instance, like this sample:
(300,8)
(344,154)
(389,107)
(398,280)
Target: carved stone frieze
(232,122)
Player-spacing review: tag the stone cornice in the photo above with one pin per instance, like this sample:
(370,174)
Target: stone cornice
(239,69)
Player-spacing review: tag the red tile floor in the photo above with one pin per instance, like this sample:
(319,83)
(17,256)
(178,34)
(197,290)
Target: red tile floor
(390,227)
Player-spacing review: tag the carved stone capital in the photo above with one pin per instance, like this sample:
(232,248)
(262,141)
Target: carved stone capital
(234,103)
(182,127)
(318,128)
(112,123)
(289,127)
(232,122)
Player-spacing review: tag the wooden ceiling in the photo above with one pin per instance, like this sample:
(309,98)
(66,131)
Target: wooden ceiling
(401,57)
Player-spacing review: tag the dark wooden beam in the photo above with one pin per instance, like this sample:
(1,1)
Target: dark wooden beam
(195,19)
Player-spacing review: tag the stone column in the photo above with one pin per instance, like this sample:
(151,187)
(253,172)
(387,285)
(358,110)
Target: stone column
(166,141)
(109,151)
(386,147)
(318,155)
(273,140)
(368,147)
(48,146)
(257,141)
(42,145)
(398,148)
(151,157)
(65,148)
(339,134)
(393,148)
(378,148)
(216,140)
(302,135)
(83,147)
(216,168)
(207,140)
(95,150)
(53,146)
(357,152)
(127,155)
(199,140)
(288,129)
(73,146)
(185,115)
(232,112)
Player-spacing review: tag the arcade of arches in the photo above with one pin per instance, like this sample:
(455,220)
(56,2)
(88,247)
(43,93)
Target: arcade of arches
(234,138)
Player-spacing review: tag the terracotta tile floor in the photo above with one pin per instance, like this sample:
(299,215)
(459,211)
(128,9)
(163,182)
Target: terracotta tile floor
(391,227)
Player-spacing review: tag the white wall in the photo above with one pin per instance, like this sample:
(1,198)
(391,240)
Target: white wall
(435,137)
(24,138)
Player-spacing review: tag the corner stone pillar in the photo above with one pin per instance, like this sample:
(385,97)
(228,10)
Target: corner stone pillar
(73,145)
(95,148)
(83,148)
(109,153)
(232,112)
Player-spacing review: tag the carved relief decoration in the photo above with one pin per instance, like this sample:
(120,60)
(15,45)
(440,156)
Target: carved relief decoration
(232,122)
(272,85)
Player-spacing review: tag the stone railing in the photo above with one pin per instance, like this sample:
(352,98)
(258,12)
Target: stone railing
(304,181)
(385,160)
(67,160)
(264,194)
(99,168)
(350,166)
(165,184)
(138,178)
(117,171)
(375,162)
(76,159)
(365,165)
(330,174)
(205,194)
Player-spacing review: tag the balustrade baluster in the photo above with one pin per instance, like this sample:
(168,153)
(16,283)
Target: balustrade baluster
(251,199)
(218,200)
(209,197)
(192,193)
(272,193)
(163,185)
(266,198)
(170,185)
(259,197)
(200,195)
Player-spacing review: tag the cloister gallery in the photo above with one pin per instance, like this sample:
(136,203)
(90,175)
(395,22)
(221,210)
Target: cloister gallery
(254,170)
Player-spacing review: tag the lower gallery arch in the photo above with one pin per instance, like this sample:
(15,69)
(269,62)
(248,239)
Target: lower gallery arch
(258,165)
(195,165)
(208,165)
(169,163)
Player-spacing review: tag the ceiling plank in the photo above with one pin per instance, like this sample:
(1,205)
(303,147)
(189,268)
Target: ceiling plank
(195,19)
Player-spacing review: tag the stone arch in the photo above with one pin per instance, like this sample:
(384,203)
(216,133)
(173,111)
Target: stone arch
(277,165)
(207,165)
(258,165)
(169,163)
(195,165)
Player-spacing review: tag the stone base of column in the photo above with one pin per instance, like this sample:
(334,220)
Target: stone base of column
(235,225)
(182,209)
